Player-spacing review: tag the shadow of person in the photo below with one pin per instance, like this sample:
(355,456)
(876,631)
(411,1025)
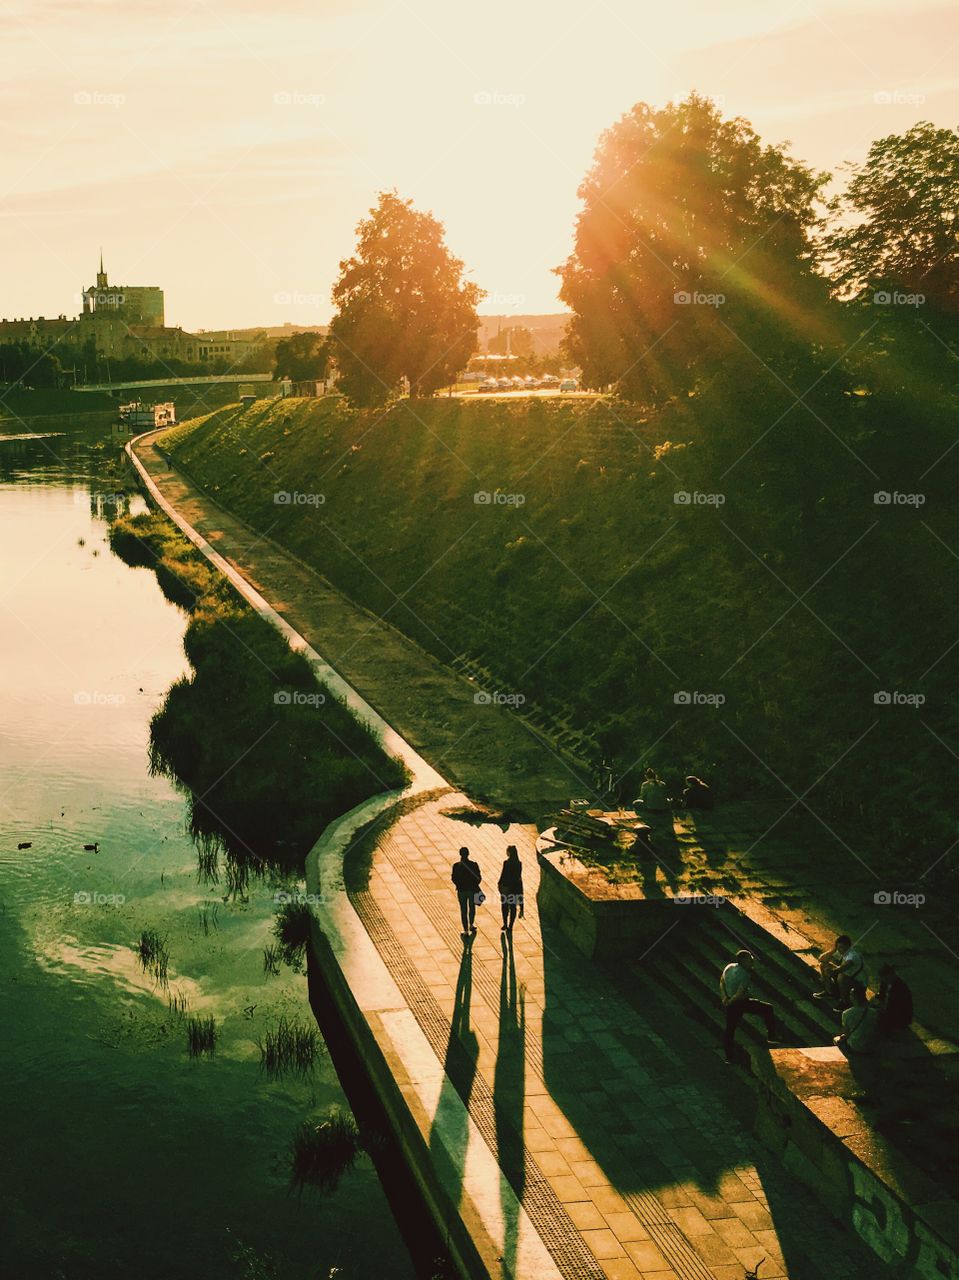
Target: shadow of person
(449,1132)
(651,863)
(509,1096)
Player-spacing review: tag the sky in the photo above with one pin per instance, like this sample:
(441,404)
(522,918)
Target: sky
(226,150)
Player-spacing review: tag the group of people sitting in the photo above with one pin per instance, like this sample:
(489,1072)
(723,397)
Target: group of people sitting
(655,798)
(864,1020)
(842,969)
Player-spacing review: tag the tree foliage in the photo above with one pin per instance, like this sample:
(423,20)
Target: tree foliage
(302,357)
(403,307)
(692,234)
(899,219)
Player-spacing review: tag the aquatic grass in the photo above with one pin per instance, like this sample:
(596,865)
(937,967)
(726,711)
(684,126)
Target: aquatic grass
(153,955)
(289,1049)
(177,1003)
(272,958)
(201,1036)
(292,928)
(323,1151)
(208,918)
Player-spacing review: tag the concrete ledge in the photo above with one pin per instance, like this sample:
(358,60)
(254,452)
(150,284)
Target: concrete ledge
(809,1115)
(603,920)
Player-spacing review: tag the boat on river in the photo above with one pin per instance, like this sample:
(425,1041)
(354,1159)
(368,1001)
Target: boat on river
(137,416)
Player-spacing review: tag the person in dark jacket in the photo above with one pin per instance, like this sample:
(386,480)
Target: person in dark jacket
(467,878)
(510,887)
(894,1002)
(697,794)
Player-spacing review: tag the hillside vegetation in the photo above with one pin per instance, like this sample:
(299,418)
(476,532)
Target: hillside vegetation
(713,588)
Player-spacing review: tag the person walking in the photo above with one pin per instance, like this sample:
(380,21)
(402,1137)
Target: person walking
(467,879)
(734,986)
(510,886)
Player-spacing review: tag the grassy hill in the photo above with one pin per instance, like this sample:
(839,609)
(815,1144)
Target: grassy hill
(712,589)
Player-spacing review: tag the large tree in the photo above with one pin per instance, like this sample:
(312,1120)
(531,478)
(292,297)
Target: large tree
(693,236)
(301,357)
(403,307)
(899,219)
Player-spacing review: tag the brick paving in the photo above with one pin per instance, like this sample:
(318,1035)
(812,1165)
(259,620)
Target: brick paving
(608,1118)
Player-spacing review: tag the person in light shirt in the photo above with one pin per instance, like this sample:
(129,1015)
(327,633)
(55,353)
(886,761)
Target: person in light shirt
(839,969)
(860,1023)
(734,987)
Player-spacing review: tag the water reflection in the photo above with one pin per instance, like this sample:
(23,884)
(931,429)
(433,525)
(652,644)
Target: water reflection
(97,1075)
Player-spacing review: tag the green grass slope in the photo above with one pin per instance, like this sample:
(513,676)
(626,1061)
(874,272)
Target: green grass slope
(744,631)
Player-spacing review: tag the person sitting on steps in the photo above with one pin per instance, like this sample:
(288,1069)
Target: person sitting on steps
(697,794)
(839,969)
(652,794)
(860,1022)
(894,1001)
(734,986)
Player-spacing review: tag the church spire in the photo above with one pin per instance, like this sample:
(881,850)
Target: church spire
(101,274)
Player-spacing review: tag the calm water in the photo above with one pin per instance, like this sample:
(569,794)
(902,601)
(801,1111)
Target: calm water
(121,1156)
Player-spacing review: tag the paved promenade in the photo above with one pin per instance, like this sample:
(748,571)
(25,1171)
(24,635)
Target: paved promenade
(583,1124)
(624,1137)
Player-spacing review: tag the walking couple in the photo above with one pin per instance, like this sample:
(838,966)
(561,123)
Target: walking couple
(467,879)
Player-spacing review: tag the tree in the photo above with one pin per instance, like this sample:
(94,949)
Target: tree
(900,217)
(403,308)
(302,357)
(693,234)
(516,337)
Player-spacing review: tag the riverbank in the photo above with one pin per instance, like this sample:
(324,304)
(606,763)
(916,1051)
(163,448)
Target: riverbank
(123,1154)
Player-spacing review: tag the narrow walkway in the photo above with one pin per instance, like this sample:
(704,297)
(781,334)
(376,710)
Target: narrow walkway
(585,1130)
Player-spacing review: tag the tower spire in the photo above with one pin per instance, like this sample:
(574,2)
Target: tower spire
(101,274)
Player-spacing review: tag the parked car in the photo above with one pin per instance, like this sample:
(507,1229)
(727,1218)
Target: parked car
(504,384)
(489,384)
(550,380)
(569,384)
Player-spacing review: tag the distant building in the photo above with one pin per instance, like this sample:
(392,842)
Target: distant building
(135,304)
(120,321)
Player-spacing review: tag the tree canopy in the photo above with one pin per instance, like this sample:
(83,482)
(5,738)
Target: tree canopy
(403,307)
(301,357)
(691,232)
(900,219)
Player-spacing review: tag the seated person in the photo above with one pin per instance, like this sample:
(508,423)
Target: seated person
(839,969)
(860,1023)
(652,794)
(697,795)
(894,1002)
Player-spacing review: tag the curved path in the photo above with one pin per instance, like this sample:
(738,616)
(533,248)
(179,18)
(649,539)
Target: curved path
(559,1124)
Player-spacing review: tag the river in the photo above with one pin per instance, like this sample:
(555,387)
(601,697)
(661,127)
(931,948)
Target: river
(121,1156)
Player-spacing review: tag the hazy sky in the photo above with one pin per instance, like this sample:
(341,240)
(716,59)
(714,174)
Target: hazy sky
(226,150)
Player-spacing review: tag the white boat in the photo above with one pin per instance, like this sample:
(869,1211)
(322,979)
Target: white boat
(137,416)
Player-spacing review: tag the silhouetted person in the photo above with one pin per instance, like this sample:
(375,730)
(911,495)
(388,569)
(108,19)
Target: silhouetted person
(652,794)
(467,878)
(894,1002)
(734,987)
(510,887)
(839,969)
(697,794)
(860,1022)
